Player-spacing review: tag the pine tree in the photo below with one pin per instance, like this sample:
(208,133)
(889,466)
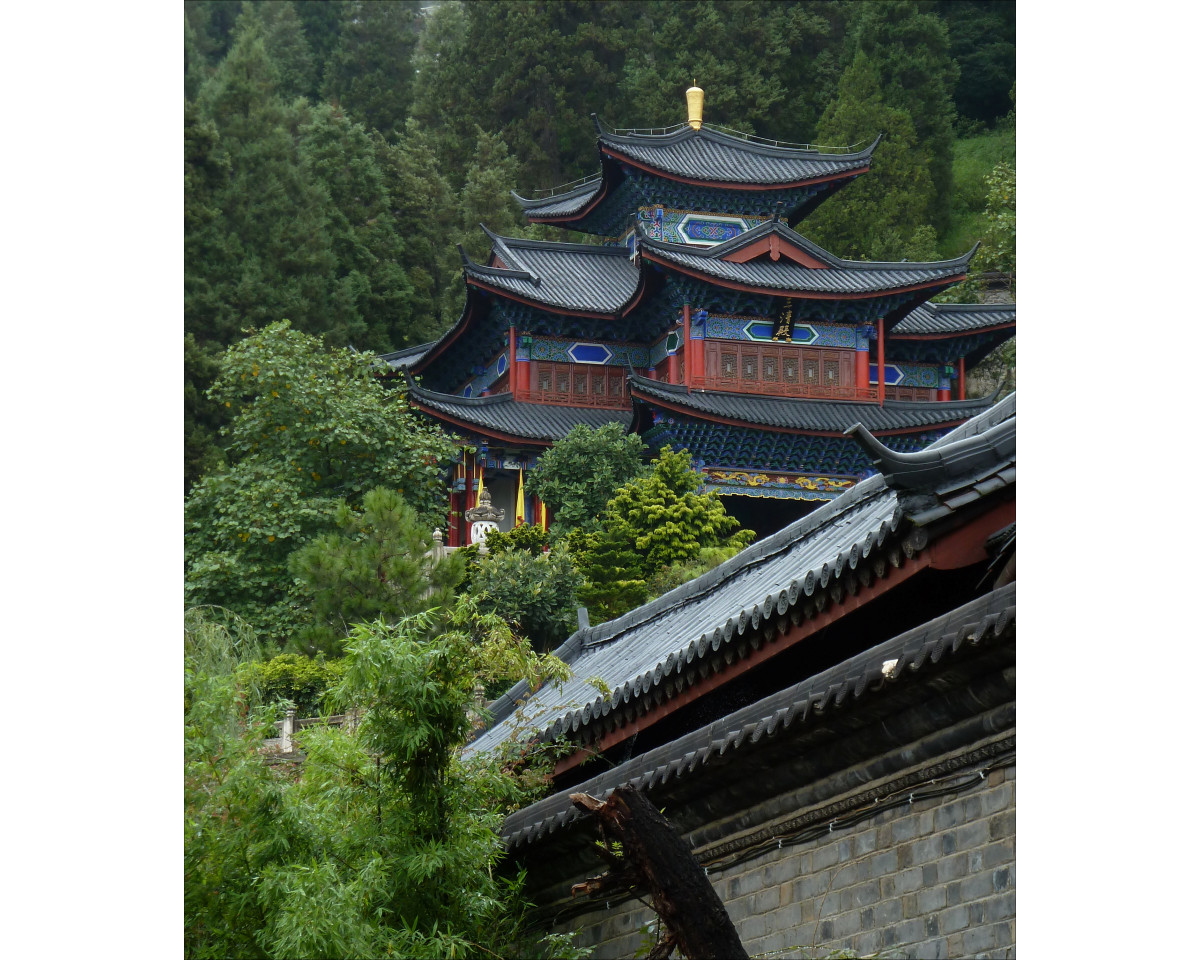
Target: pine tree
(910,46)
(486,198)
(425,213)
(884,214)
(378,566)
(283,33)
(370,72)
(268,255)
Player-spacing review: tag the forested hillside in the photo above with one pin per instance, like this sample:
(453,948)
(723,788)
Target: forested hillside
(337,151)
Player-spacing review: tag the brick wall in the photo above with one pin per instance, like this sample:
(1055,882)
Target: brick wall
(936,879)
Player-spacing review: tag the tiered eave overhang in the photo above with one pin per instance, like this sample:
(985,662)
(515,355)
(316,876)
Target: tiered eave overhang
(576,277)
(823,417)
(791,266)
(710,156)
(501,417)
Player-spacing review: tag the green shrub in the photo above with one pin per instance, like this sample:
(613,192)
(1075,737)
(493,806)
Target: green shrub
(292,676)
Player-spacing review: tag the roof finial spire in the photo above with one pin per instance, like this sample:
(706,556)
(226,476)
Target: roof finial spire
(695,103)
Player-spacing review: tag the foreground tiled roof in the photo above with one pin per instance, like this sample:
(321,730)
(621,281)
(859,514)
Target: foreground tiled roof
(634,653)
(572,276)
(981,622)
(954,318)
(843,277)
(710,155)
(502,414)
(815,415)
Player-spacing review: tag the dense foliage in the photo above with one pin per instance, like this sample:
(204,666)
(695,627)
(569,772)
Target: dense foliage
(380,564)
(383,842)
(652,524)
(579,474)
(311,431)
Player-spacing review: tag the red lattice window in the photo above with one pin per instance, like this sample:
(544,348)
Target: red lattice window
(810,371)
(598,384)
(564,381)
(729,365)
(771,369)
(749,368)
(791,370)
(545,380)
(831,373)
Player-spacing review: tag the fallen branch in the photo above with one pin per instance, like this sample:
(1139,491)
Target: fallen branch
(654,857)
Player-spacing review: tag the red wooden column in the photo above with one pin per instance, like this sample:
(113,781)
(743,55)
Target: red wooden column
(962,378)
(688,373)
(512,360)
(862,365)
(880,368)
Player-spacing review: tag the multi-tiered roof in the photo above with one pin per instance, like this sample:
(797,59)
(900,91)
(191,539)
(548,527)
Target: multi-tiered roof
(705,320)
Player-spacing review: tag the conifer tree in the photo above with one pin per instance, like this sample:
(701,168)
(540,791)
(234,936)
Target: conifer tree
(370,71)
(425,213)
(379,565)
(485,196)
(881,216)
(910,46)
(370,299)
(268,255)
(283,33)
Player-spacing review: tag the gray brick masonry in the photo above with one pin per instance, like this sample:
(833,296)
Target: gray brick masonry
(933,880)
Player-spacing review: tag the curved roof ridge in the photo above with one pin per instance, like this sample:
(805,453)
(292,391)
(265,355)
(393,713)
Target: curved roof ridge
(708,132)
(908,471)
(584,189)
(721,250)
(515,262)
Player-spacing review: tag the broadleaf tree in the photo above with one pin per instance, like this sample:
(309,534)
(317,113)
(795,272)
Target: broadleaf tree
(312,430)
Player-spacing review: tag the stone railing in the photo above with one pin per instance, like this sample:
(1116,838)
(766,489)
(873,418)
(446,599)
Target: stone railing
(290,725)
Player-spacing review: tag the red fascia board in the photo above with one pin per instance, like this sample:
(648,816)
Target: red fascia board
(797,294)
(476,428)
(714,418)
(960,547)
(725,185)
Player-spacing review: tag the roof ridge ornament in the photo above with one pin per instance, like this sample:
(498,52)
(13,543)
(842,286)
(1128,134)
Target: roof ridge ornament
(695,105)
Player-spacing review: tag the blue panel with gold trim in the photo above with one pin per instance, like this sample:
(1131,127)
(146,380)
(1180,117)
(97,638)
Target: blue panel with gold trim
(910,375)
(590,352)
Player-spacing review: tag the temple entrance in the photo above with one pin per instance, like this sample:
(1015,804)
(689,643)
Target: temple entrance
(503,488)
(766,515)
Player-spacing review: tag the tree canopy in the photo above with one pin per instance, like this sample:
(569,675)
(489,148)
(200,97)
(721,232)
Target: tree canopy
(311,431)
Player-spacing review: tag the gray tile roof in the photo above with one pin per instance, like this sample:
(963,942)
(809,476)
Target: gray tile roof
(502,414)
(954,318)
(708,154)
(398,359)
(847,277)
(814,415)
(988,620)
(562,205)
(634,653)
(572,276)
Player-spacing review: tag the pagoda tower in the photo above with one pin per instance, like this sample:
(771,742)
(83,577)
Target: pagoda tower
(704,321)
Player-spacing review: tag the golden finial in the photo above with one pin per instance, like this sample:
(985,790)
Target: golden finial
(695,103)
